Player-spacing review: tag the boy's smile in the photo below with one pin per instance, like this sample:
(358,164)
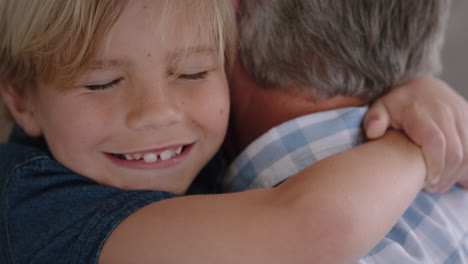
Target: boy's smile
(149,113)
(152,159)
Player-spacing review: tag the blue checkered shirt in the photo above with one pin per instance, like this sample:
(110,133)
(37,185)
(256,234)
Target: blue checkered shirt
(433,230)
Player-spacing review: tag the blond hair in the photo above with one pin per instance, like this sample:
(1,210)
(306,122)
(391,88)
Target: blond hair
(44,37)
(43,40)
(214,22)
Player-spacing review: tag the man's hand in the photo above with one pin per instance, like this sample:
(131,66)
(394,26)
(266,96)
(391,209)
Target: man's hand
(435,117)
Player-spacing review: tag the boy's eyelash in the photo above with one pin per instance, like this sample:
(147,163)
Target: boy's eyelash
(97,87)
(194,76)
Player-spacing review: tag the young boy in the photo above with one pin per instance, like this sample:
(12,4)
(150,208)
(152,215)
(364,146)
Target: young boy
(120,105)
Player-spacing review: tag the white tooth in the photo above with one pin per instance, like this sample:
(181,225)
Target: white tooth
(167,154)
(128,157)
(178,150)
(150,157)
(136,156)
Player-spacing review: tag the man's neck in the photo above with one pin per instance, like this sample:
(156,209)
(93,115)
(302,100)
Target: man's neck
(256,110)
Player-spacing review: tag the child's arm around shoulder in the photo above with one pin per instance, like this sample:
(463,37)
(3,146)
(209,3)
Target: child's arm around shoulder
(317,215)
(433,115)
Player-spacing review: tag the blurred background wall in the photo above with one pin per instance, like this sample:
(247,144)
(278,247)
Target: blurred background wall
(455,52)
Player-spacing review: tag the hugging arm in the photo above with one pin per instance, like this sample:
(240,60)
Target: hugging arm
(317,215)
(433,116)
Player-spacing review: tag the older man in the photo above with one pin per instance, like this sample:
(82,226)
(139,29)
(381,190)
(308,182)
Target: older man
(308,68)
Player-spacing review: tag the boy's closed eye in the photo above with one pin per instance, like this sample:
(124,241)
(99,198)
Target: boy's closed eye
(193,76)
(104,86)
(115,82)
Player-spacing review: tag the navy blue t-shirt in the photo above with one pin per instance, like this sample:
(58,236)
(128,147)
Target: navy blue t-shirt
(48,214)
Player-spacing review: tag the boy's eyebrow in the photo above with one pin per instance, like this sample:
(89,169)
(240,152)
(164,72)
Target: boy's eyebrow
(105,64)
(172,57)
(202,50)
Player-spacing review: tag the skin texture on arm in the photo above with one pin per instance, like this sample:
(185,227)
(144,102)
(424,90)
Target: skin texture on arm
(332,212)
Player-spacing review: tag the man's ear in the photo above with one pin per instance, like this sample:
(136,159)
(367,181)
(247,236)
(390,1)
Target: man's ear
(21,108)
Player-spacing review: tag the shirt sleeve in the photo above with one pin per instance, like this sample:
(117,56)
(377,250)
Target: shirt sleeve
(52,215)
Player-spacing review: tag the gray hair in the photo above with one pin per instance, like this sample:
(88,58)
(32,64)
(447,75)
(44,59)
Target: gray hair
(356,48)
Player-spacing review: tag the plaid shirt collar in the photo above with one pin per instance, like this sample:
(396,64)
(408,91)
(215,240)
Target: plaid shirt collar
(290,147)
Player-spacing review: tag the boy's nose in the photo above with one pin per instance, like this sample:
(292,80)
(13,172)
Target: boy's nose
(154,110)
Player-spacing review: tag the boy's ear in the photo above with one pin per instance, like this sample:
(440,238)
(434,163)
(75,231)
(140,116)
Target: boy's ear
(21,108)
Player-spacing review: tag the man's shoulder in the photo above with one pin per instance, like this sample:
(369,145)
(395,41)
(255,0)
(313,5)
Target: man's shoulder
(434,229)
(290,147)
